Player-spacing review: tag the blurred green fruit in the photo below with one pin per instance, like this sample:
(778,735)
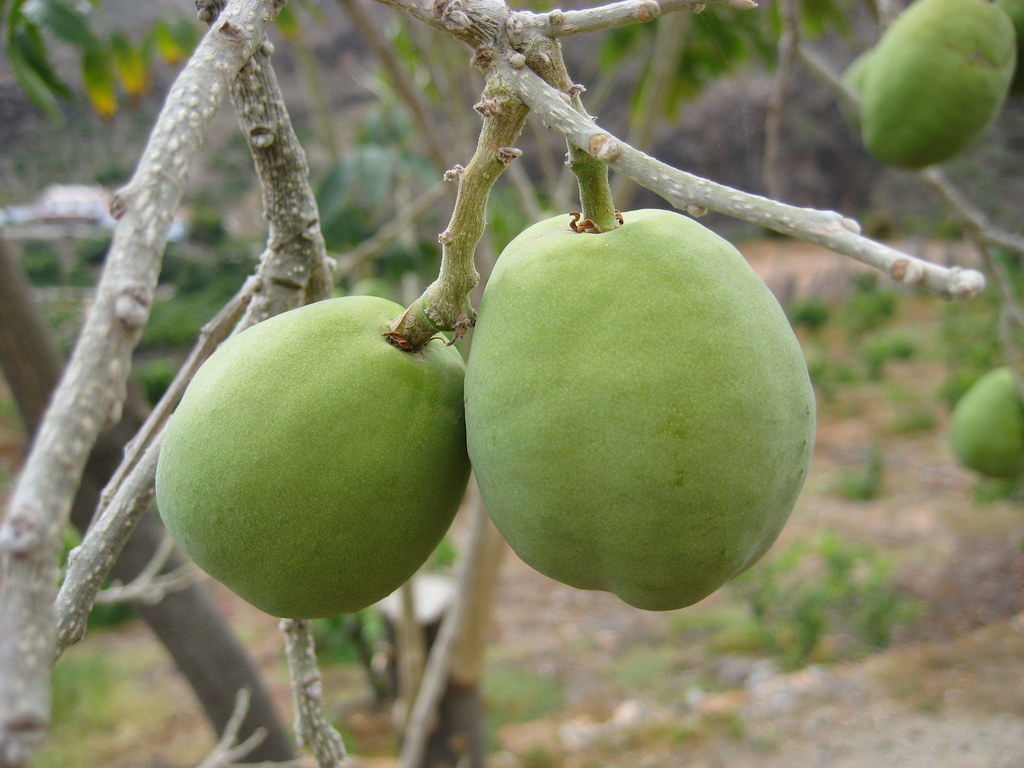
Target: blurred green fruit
(986,428)
(1015,10)
(638,411)
(937,78)
(311,466)
(854,77)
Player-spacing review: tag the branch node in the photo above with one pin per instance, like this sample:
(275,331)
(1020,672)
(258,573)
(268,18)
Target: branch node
(517,60)
(488,107)
(508,154)
(267,48)
(21,533)
(119,203)
(906,271)
(697,7)
(131,307)
(261,137)
(453,173)
(231,32)
(483,57)
(556,17)
(695,210)
(649,10)
(851,225)
(604,147)
(445,237)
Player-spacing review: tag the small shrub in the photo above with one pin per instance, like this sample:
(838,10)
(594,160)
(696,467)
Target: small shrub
(878,350)
(811,314)
(41,263)
(865,483)
(155,377)
(867,307)
(810,598)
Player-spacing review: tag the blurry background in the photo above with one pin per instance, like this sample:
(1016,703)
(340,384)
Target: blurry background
(884,628)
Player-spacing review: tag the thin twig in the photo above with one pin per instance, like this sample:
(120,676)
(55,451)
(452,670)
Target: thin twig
(421,719)
(92,389)
(695,195)
(311,727)
(789,52)
(229,752)
(391,231)
(129,492)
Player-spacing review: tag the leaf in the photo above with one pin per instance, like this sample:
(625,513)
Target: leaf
(25,43)
(175,38)
(132,65)
(34,86)
(63,21)
(288,23)
(99,81)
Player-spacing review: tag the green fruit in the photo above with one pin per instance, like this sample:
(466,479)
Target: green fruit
(311,466)
(986,428)
(938,77)
(638,411)
(855,75)
(1015,10)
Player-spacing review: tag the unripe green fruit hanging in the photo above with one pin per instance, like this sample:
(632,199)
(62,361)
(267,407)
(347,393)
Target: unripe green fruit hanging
(638,411)
(937,78)
(311,466)
(986,428)
(1015,10)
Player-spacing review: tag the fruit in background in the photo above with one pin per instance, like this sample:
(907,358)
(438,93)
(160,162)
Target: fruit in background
(854,76)
(986,427)
(1015,10)
(638,411)
(311,466)
(937,78)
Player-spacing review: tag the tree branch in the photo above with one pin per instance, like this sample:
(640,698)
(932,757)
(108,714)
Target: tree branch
(695,195)
(92,389)
(421,719)
(294,269)
(311,727)
(563,23)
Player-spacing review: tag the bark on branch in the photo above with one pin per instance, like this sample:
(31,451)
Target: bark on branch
(92,389)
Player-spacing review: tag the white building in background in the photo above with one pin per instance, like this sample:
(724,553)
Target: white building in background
(70,204)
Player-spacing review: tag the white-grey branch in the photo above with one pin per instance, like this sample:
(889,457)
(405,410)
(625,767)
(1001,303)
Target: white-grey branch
(696,195)
(91,391)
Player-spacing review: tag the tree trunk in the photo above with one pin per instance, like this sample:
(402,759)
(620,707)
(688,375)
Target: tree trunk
(200,641)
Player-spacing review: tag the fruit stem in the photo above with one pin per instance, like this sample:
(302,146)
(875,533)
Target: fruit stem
(545,58)
(444,305)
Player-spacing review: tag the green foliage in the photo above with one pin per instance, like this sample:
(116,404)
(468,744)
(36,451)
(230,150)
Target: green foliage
(830,597)
(880,348)
(41,262)
(865,483)
(155,376)
(110,62)
(206,225)
(718,41)
(348,638)
(810,313)
(867,307)
(515,695)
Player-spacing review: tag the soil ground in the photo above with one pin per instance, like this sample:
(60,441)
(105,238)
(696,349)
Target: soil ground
(580,680)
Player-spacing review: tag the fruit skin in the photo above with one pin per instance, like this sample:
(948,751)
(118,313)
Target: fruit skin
(986,427)
(1015,10)
(938,77)
(638,411)
(312,466)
